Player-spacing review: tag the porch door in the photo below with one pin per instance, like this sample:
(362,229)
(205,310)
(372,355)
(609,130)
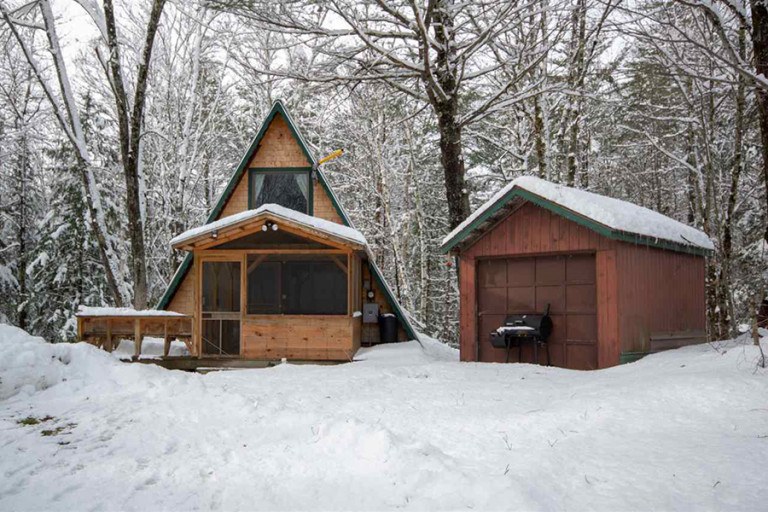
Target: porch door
(220,308)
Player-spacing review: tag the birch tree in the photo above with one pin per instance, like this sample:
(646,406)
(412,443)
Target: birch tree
(66,112)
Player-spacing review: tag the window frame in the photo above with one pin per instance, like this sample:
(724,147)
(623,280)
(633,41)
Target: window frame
(252,171)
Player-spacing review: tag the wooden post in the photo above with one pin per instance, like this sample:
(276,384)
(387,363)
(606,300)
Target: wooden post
(137,337)
(197,321)
(166,339)
(108,346)
(350,284)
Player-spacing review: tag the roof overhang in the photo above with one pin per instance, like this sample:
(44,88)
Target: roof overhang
(516,196)
(252,221)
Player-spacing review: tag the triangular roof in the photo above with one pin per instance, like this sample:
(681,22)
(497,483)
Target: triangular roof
(232,223)
(279,108)
(612,218)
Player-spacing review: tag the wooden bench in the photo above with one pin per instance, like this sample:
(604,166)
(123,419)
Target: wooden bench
(102,326)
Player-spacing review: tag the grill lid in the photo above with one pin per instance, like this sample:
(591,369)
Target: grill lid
(534,325)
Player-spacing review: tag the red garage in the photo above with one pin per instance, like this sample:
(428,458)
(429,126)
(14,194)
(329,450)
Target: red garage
(620,280)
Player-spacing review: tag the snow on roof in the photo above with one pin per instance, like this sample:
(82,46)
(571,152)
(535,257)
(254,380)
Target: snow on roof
(102,311)
(281,212)
(613,213)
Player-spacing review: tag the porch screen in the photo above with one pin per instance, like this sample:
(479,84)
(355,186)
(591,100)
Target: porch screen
(221,308)
(221,286)
(297,285)
(289,189)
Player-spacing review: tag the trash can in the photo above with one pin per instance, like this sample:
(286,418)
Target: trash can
(388,328)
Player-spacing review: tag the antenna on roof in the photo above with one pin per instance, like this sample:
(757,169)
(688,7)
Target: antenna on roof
(334,154)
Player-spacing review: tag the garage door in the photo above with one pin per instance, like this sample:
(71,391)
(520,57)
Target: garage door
(527,285)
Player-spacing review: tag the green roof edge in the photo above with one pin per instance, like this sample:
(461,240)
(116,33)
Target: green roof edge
(377,275)
(601,229)
(278,107)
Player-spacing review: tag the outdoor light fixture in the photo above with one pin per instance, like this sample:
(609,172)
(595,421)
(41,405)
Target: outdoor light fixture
(215,234)
(269,225)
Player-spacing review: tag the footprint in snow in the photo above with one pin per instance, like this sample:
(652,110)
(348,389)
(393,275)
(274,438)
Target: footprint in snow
(67,490)
(149,482)
(171,448)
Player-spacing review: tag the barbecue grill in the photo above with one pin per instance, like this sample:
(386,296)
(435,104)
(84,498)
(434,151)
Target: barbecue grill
(518,330)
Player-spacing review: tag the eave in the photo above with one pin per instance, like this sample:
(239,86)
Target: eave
(505,204)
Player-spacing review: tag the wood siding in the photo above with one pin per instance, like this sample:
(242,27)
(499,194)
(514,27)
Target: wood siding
(293,337)
(641,291)
(301,337)
(660,294)
(607,309)
(467,309)
(278,148)
(323,206)
(370,332)
(184,300)
(532,230)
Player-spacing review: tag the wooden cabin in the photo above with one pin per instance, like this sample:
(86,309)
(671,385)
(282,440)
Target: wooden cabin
(621,281)
(278,271)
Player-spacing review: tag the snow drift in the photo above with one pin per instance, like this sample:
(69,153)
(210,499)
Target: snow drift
(405,426)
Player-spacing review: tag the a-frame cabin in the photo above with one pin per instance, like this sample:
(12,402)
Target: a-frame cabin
(278,271)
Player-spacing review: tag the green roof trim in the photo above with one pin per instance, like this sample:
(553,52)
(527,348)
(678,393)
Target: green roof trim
(279,108)
(377,275)
(334,200)
(631,357)
(588,223)
(175,282)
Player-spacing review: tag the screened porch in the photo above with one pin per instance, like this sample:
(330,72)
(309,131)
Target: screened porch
(272,287)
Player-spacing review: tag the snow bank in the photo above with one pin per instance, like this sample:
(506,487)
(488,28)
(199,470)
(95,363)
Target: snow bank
(280,212)
(403,427)
(613,213)
(29,364)
(107,311)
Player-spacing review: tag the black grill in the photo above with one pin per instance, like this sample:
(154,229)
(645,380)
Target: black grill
(518,330)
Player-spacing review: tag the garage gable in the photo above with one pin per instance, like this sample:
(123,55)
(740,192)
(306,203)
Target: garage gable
(609,217)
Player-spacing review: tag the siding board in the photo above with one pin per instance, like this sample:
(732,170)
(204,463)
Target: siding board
(642,291)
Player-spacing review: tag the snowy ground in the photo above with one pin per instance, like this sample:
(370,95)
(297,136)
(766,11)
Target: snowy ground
(404,427)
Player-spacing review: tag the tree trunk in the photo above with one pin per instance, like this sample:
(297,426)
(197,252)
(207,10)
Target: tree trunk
(724,276)
(22,176)
(73,127)
(130,127)
(760,51)
(538,133)
(578,36)
(420,230)
(446,107)
(540,136)
(453,165)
